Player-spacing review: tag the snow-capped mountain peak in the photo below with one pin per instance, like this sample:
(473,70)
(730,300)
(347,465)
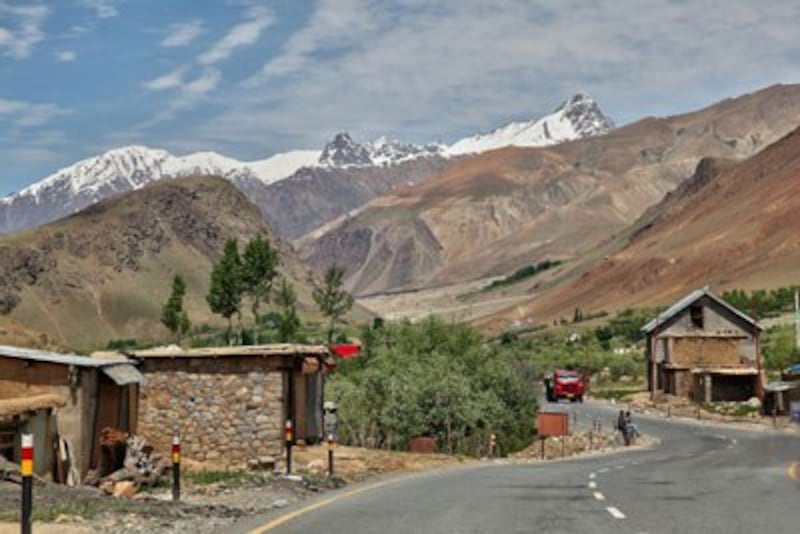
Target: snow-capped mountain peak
(342,151)
(578,117)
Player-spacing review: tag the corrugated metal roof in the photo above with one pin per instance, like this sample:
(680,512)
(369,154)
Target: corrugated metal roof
(50,357)
(54,357)
(690,299)
(123,374)
(781,385)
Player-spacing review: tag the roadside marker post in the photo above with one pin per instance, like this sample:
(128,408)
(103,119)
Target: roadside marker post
(492,445)
(176,466)
(289,436)
(26,469)
(330,455)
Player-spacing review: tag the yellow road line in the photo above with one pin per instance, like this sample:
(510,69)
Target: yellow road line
(794,470)
(325,502)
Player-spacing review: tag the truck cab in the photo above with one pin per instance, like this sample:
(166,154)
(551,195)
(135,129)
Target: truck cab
(565,384)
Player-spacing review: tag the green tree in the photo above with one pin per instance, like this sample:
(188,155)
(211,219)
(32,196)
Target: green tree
(333,300)
(225,292)
(173,316)
(259,269)
(289,322)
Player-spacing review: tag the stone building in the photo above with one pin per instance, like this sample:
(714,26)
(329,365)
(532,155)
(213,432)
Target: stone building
(704,349)
(65,400)
(230,404)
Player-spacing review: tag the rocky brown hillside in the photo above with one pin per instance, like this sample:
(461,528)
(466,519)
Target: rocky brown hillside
(314,196)
(103,273)
(729,226)
(495,212)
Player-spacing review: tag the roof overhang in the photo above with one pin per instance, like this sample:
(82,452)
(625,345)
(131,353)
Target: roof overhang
(668,314)
(730,371)
(123,374)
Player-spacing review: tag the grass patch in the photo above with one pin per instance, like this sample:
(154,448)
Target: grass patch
(525,272)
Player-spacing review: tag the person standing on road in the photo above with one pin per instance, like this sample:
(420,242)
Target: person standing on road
(621,422)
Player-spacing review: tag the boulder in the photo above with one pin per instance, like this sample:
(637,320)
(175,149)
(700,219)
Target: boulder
(124,488)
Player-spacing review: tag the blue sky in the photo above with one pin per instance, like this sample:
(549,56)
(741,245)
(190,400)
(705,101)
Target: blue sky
(252,78)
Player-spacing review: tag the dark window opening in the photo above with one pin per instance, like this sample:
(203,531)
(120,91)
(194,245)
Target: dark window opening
(696,314)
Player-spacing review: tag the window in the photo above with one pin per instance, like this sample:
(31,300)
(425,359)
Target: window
(696,314)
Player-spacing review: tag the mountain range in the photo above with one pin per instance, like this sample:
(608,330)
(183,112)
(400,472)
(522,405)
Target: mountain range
(353,172)
(493,213)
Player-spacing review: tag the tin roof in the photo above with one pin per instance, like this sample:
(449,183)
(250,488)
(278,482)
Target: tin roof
(284,349)
(690,299)
(51,357)
(119,368)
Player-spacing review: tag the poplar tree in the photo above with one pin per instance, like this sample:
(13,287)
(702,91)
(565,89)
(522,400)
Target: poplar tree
(173,316)
(289,323)
(333,300)
(259,269)
(226,288)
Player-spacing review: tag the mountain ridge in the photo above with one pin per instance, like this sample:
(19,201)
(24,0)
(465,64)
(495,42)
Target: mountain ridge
(123,169)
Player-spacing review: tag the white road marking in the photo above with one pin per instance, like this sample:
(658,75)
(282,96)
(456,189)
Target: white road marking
(592,485)
(599,496)
(620,467)
(603,470)
(592,476)
(734,441)
(615,512)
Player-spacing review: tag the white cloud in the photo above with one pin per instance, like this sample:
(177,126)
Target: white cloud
(65,56)
(243,34)
(170,80)
(183,33)
(21,28)
(204,83)
(103,8)
(24,114)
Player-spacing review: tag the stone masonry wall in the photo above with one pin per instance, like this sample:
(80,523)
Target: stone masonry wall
(228,410)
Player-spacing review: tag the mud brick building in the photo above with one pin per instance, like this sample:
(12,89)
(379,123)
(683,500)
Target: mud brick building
(704,349)
(65,400)
(230,404)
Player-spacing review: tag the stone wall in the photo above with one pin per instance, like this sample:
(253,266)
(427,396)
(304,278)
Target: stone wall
(228,410)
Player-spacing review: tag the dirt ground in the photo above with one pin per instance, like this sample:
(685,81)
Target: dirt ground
(210,501)
(353,464)
(583,442)
(717,413)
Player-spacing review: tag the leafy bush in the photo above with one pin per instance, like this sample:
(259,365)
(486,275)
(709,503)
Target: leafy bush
(434,379)
(778,347)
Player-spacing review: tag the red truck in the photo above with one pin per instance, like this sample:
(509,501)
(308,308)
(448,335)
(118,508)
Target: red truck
(565,384)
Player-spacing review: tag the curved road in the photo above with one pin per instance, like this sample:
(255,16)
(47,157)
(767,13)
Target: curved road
(700,479)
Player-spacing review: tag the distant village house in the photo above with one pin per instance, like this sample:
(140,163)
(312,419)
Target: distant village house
(704,349)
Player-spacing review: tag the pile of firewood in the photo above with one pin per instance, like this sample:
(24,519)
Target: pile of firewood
(127,462)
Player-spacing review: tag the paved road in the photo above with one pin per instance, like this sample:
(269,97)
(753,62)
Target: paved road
(700,479)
